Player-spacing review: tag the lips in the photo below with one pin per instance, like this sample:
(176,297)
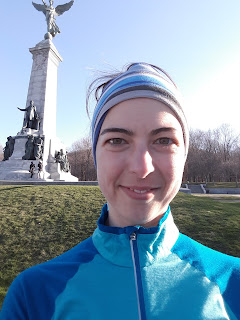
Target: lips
(139,193)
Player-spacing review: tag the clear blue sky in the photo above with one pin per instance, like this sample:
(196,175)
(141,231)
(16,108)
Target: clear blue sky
(197,42)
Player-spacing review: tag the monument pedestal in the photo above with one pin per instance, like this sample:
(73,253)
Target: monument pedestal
(43,92)
(18,170)
(19,148)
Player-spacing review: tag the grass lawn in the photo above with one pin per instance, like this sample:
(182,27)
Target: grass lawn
(38,223)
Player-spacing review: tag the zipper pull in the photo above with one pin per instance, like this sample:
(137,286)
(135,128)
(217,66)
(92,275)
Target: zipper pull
(133,236)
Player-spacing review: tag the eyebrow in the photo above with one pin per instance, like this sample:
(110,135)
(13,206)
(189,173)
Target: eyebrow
(119,130)
(164,129)
(130,132)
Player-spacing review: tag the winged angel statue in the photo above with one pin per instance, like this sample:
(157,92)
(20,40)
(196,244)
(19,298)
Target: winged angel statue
(50,13)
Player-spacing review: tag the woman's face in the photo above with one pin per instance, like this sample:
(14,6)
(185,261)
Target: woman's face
(140,160)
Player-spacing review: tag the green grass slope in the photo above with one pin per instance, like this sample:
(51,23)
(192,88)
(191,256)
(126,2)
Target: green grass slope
(38,223)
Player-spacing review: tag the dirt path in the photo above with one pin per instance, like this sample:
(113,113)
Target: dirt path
(233,198)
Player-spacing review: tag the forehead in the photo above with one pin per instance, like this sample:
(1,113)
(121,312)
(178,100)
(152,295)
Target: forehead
(141,113)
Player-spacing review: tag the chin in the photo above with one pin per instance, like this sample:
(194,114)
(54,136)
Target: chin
(147,217)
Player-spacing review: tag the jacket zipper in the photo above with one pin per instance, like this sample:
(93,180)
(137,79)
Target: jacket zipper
(137,276)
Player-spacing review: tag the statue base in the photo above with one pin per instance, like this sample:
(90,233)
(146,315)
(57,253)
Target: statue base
(48,36)
(15,168)
(18,170)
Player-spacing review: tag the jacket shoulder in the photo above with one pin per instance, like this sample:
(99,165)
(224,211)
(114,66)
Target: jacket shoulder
(218,267)
(41,284)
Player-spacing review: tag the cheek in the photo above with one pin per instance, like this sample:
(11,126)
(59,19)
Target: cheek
(103,180)
(109,161)
(101,168)
(173,167)
(108,170)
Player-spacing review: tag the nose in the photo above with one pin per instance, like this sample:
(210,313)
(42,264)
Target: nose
(141,162)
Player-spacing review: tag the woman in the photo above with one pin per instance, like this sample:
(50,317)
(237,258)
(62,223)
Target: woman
(136,265)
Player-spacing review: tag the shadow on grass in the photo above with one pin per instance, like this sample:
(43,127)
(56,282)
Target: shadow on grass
(14,187)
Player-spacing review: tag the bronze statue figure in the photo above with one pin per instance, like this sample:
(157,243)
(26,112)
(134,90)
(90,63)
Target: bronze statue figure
(62,158)
(38,148)
(9,148)
(31,169)
(40,169)
(50,13)
(29,148)
(33,148)
(31,119)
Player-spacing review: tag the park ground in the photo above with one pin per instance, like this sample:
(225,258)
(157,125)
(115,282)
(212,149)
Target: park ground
(38,223)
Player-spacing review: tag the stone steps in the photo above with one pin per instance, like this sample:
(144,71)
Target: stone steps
(195,188)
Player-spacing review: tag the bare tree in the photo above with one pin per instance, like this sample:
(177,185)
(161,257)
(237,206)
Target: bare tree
(233,167)
(202,156)
(81,160)
(213,155)
(228,141)
(210,156)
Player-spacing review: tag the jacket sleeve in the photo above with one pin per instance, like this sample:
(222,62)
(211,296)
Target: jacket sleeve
(14,305)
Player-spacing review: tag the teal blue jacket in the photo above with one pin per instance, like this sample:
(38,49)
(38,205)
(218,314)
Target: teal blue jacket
(129,273)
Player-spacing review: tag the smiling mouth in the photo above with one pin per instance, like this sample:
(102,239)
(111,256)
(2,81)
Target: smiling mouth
(140,191)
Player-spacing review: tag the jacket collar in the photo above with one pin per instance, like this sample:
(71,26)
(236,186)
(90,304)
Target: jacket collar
(154,243)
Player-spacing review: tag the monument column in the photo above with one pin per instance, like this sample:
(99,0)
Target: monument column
(37,140)
(43,85)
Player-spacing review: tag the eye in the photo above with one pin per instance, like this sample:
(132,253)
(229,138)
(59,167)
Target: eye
(164,141)
(116,141)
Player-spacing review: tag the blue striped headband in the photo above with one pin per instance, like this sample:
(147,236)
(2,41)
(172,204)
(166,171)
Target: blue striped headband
(141,80)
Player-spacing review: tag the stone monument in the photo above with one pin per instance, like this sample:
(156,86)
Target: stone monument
(37,140)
